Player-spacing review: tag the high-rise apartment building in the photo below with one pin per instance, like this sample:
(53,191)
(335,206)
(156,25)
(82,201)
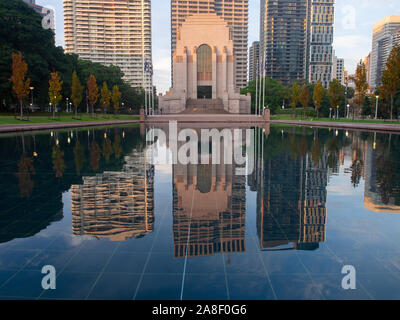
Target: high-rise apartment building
(254,60)
(235,13)
(383,40)
(296,40)
(48,21)
(112,32)
(320,21)
(367,62)
(338,69)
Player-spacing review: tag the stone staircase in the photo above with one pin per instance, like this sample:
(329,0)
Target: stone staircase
(204,106)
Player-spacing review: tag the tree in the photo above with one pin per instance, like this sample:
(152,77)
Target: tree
(304,99)
(360,81)
(335,94)
(55,86)
(105,97)
(391,77)
(116,96)
(20,84)
(93,92)
(318,96)
(76,92)
(296,92)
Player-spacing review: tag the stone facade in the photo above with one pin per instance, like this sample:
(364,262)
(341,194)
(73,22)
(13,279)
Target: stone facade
(204,68)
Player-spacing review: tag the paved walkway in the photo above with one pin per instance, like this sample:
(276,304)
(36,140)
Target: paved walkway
(206,118)
(9,128)
(390,128)
(202,118)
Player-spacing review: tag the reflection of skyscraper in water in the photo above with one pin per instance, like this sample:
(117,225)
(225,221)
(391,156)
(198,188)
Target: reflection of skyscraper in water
(116,205)
(291,202)
(380,196)
(209,208)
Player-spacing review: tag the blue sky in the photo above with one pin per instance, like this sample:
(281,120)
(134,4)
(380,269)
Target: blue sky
(352,40)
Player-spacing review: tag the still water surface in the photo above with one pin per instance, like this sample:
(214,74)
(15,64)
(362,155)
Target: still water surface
(89,203)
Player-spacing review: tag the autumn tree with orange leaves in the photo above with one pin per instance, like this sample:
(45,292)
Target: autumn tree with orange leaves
(20,84)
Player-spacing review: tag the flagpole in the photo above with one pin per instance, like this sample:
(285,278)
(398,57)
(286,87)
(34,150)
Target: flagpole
(264,66)
(255,106)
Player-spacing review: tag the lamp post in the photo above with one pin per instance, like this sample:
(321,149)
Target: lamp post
(376,108)
(32,88)
(67,104)
(337,112)
(348,110)
(330,113)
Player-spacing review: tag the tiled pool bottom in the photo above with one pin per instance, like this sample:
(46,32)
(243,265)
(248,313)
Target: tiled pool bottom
(146,268)
(251,252)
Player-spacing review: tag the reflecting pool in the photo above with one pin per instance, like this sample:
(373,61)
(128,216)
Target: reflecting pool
(117,224)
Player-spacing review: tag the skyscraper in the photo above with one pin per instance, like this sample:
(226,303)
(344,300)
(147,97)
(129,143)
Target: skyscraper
(235,13)
(254,60)
(320,19)
(338,69)
(113,32)
(296,40)
(383,40)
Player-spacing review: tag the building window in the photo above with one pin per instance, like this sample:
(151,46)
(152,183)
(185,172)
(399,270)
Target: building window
(204,63)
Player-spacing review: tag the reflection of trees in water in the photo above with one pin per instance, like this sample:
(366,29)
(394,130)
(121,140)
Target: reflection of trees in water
(95,154)
(384,176)
(316,151)
(357,168)
(107,149)
(58,161)
(117,148)
(25,169)
(79,157)
(333,149)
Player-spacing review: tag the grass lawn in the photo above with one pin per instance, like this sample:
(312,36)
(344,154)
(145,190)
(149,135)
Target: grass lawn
(7,119)
(299,118)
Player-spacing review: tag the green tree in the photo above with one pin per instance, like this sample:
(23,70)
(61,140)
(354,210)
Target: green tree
(116,96)
(105,97)
(304,99)
(318,96)
(335,94)
(20,84)
(295,95)
(360,81)
(55,86)
(391,77)
(76,92)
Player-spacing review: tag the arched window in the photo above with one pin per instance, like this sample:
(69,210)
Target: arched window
(204,63)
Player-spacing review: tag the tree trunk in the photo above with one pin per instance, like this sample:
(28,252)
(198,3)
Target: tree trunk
(76,112)
(21,110)
(54,112)
(391,107)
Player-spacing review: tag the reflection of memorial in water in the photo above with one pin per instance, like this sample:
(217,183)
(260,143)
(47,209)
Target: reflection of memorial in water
(116,205)
(291,198)
(209,209)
